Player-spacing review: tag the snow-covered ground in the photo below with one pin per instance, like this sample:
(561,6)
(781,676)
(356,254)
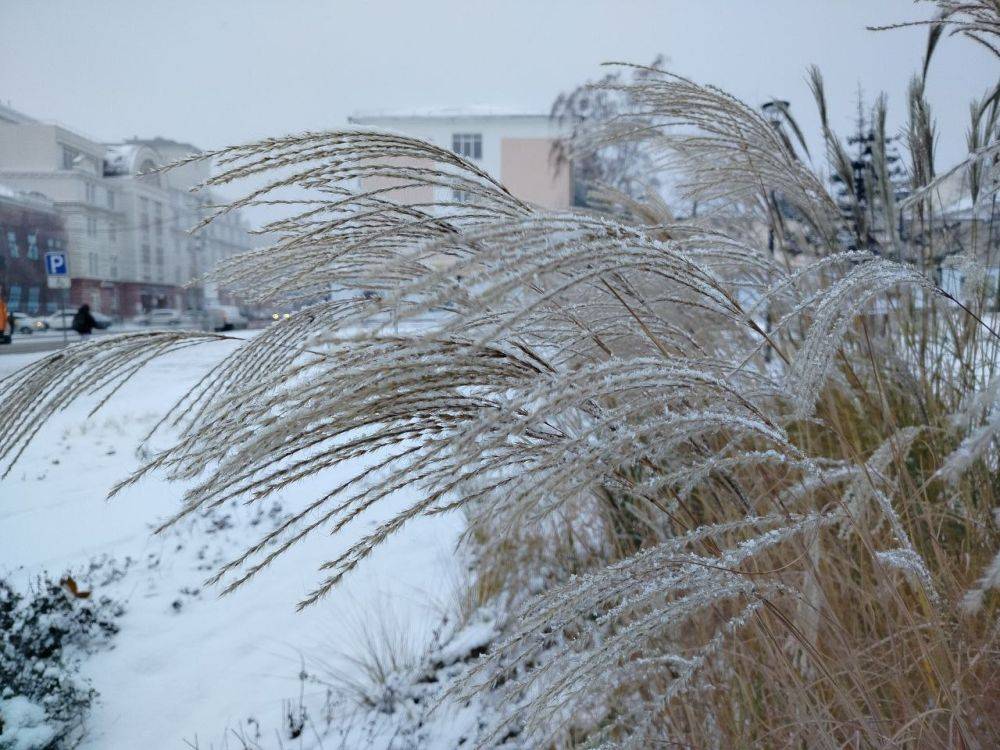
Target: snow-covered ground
(188,665)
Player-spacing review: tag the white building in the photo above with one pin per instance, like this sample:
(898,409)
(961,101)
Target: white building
(161,211)
(67,168)
(512,146)
(127,229)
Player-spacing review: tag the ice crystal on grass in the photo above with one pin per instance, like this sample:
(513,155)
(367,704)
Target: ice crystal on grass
(912,565)
(700,458)
(972,601)
(833,313)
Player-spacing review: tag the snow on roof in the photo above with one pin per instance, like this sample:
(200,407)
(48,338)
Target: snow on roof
(955,196)
(467,111)
(967,210)
(159,142)
(33,199)
(11,115)
(119,157)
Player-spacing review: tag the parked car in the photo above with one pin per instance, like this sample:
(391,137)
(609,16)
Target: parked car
(101,320)
(163,317)
(63,319)
(60,320)
(26,324)
(226,318)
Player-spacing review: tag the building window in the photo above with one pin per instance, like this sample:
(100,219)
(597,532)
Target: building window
(114,267)
(69,157)
(469,145)
(159,255)
(145,253)
(157,219)
(92,264)
(33,293)
(91,226)
(461,196)
(33,246)
(111,199)
(112,231)
(91,191)
(12,244)
(15,297)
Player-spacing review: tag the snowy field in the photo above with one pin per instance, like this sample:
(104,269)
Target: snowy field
(188,667)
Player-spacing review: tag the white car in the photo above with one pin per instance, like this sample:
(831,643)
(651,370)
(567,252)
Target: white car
(25,324)
(101,320)
(163,317)
(60,320)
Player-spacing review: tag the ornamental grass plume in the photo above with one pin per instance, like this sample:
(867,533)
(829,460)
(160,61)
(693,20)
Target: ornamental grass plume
(729,494)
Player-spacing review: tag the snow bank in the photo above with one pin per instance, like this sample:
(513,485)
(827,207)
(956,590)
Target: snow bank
(188,665)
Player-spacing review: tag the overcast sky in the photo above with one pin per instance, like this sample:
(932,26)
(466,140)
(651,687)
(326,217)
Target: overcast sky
(223,71)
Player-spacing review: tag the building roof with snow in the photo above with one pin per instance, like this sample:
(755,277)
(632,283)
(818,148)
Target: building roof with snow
(165,144)
(32,199)
(474,111)
(120,159)
(11,116)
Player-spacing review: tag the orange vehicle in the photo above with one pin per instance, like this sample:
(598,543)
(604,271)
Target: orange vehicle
(5,322)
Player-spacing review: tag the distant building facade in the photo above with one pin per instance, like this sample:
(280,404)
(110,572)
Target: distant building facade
(513,147)
(160,210)
(68,169)
(127,229)
(30,226)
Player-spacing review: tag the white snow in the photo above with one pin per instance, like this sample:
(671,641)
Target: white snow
(474,637)
(24,726)
(188,665)
(119,158)
(31,198)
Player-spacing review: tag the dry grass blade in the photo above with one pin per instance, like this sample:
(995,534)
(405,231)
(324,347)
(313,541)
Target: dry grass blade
(746,463)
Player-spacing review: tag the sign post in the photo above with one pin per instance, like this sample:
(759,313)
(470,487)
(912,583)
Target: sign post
(57,268)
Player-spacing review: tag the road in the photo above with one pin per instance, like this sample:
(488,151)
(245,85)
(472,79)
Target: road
(43,342)
(50,341)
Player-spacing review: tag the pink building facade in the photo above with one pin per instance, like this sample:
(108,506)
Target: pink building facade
(511,146)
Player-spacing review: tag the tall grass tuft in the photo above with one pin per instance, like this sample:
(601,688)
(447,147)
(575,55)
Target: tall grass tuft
(734,477)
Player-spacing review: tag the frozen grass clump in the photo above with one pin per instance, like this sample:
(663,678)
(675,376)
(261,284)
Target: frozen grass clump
(731,477)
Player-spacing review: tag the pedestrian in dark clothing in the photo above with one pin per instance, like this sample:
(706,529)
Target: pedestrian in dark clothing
(83,321)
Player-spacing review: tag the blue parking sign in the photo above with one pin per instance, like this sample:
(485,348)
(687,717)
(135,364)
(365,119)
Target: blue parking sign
(55,264)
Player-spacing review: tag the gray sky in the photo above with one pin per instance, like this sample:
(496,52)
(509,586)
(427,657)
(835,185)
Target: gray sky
(223,71)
